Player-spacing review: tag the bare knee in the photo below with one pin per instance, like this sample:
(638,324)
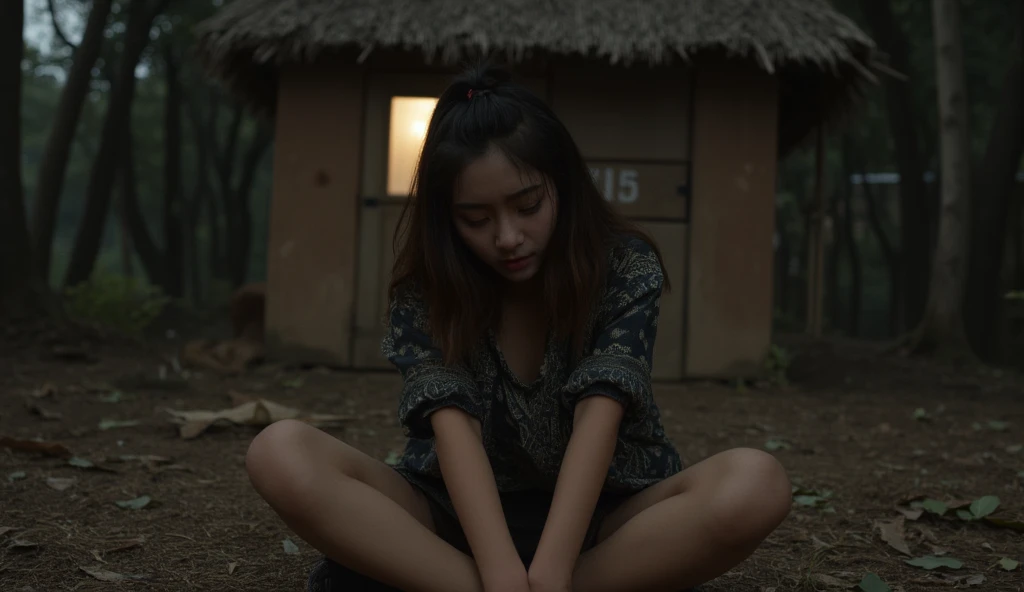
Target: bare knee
(754,496)
(279,462)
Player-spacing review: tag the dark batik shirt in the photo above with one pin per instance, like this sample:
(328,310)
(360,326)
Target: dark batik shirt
(526,427)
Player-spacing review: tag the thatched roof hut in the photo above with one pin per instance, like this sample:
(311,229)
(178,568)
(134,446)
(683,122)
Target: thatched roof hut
(681,109)
(821,56)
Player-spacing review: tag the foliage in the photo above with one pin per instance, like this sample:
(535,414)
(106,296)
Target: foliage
(116,301)
(776,363)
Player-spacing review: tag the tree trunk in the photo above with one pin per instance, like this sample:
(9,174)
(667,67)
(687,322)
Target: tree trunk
(915,220)
(1017,232)
(18,279)
(226,160)
(942,329)
(149,252)
(173,201)
(104,169)
(52,169)
(242,240)
(833,296)
(889,254)
(994,183)
(782,265)
(816,241)
(850,241)
(200,194)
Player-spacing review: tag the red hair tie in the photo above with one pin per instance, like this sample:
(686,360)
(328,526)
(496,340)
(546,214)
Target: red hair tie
(469,95)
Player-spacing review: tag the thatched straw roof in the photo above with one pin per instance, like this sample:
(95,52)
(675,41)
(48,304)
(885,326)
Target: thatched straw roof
(827,55)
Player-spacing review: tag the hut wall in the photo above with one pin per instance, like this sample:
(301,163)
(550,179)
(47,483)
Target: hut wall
(633,126)
(311,251)
(729,296)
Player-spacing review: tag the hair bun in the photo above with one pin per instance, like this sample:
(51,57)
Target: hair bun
(484,77)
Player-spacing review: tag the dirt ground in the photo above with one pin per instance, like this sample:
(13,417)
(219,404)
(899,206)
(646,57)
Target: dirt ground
(860,433)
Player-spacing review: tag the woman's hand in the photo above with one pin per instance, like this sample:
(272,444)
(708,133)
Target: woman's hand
(506,579)
(549,579)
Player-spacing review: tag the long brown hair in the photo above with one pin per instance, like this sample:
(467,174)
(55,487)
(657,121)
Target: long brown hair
(460,290)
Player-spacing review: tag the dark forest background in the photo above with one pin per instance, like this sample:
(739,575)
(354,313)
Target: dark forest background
(146,188)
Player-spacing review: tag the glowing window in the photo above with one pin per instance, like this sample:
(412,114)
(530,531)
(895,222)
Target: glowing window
(408,129)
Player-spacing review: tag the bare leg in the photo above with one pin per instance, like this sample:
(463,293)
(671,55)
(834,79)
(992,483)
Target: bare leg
(689,528)
(354,509)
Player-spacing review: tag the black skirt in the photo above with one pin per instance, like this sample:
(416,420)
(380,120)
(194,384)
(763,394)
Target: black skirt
(525,514)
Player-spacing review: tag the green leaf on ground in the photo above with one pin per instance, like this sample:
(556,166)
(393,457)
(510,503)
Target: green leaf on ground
(965,515)
(773,445)
(984,506)
(1009,564)
(134,504)
(110,424)
(873,583)
(15,476)
(290,547)
(920,414)
(80,463)
(998,426)
(293,383)
(1014,448)
(393,458)
(932,562)
(112,397)
(932,506)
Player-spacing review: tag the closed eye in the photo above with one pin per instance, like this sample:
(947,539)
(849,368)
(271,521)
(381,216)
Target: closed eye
(532,209)
(475,223)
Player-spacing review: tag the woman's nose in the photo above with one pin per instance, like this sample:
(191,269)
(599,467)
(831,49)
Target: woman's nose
(509,236)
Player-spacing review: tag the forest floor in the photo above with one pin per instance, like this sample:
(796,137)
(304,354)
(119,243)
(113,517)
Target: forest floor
(122,501)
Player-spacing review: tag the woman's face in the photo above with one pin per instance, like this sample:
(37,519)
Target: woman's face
(505,215)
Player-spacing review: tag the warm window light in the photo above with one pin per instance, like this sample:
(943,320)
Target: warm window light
(408,129)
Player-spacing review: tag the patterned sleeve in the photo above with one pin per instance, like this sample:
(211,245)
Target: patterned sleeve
(618,364)
(429,385)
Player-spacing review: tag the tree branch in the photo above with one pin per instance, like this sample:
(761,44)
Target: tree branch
(57,30)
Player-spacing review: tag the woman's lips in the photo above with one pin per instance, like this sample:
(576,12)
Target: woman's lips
(517,264)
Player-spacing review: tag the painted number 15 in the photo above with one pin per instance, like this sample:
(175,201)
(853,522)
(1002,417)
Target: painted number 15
(618,185)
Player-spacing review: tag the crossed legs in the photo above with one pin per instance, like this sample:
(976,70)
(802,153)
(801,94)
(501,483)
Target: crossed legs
(361,513)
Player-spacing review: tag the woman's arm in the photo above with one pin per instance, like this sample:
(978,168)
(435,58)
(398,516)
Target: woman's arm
(584,469)
(470,481)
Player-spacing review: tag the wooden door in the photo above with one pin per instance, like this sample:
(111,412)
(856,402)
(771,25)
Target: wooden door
(633,126)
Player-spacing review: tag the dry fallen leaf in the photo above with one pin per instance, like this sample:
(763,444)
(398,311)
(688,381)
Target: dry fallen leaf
(22,545)
(231,567)
(125,544)
(47,390)
(6,529)
(830,581)
(910,513)
(231,356)
(108,576)
(60,483)
(47,448)
(238,398)
(43,413)
(892,533)
(260,412)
